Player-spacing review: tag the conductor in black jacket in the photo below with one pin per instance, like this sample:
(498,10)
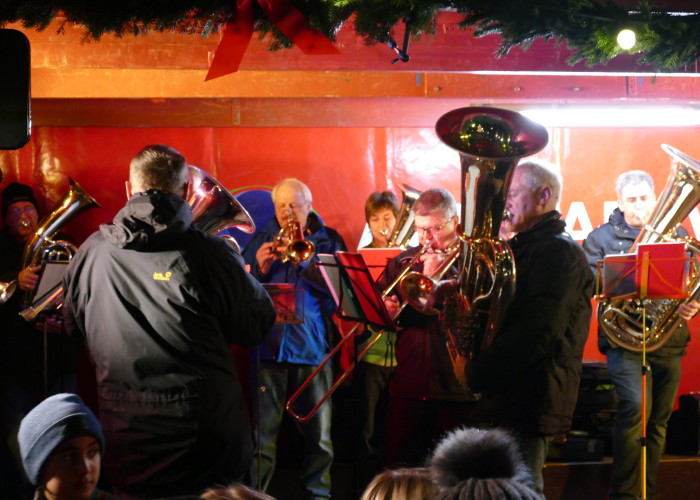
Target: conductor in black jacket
(160,302)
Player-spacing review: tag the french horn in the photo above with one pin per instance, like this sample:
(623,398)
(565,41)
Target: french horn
(621,319)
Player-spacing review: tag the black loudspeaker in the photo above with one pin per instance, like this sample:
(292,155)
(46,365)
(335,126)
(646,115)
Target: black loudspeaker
(683,434)
(15,116)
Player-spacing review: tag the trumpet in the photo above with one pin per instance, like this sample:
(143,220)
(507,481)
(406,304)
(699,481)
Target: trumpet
(296,248)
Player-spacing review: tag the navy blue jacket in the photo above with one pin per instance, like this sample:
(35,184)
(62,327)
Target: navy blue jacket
(306,342)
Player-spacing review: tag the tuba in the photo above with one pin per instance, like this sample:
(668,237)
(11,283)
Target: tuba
(41,247)
(620,319)
(490,142)
(214,208)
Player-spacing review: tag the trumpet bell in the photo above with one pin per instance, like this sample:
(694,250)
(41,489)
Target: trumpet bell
(300,251)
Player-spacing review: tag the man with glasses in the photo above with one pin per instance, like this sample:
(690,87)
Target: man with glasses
(425,398)
(292,351)
(636,201)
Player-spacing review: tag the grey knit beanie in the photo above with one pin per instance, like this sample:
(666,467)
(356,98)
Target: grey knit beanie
(472,463)
(55,420)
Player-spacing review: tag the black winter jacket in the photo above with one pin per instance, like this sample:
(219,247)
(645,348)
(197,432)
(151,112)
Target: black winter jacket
(529,374)
(615,237)
(160,303)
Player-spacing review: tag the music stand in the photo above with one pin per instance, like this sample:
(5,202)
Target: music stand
(657,271)
(357,299)
(378,258)
(356,295)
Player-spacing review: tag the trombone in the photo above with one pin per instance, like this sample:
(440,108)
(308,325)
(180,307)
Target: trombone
(415,297)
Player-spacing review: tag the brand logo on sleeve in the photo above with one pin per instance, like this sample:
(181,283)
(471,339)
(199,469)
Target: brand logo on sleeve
(162,276)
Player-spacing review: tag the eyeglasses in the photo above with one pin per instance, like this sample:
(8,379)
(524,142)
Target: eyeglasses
(19,211)
(435,229)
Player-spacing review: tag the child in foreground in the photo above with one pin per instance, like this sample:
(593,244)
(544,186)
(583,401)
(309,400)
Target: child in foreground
(61,445)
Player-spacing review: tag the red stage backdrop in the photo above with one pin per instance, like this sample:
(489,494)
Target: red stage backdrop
(342,166)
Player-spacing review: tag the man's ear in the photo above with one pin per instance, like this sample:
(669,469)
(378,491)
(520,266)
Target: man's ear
(127,185)
(544,195)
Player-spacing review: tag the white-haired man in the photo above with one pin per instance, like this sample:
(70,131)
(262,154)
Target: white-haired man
(293,350)
(529,375)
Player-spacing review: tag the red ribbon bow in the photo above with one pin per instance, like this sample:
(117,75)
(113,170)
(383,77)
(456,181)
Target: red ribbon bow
(239,31)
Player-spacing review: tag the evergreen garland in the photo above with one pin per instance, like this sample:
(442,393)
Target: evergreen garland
(666,41)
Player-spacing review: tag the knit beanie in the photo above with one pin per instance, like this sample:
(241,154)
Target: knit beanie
(481,464)
(15,192)
(55,420)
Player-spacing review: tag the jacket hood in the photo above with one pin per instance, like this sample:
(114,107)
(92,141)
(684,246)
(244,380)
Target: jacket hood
(148,220)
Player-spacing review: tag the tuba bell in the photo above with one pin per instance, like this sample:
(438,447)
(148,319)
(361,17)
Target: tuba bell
(620,319)
(214,208)
(42,247)
(490,142)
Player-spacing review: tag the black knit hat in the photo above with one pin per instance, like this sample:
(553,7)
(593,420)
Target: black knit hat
(483,464)
(55,420)
(15,192)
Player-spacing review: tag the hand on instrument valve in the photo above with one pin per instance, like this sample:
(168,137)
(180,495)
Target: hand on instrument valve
(27,278)
(392,305)
(688,310)
(431,261)
(266,255)
(439,293)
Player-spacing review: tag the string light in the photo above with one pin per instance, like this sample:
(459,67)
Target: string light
(626,38)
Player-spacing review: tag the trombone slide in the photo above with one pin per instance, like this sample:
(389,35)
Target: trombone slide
(337,382)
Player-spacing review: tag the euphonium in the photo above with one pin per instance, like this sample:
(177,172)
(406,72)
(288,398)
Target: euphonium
(490,142)
(6,290)
(41,247)
(620,320)
(214,208)
(403,230)
(296,248)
